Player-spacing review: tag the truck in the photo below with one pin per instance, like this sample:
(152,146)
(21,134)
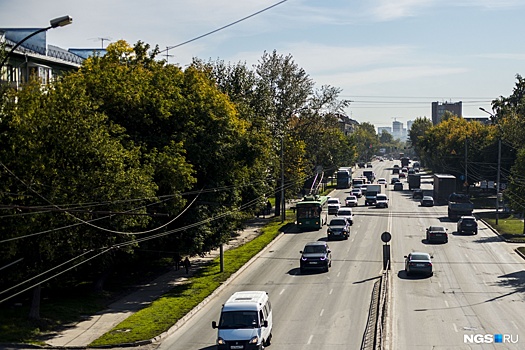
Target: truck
(444,186)
(414,181)
(370,175)
(344,178)
(372,191)
(405,161)
(459,205)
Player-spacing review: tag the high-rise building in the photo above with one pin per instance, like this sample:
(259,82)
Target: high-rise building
(397,130)
(438,109)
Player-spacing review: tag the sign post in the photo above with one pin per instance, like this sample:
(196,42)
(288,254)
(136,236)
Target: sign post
(386,237)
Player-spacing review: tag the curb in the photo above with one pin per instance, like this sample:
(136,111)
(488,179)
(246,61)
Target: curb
(197,308)
(501,237)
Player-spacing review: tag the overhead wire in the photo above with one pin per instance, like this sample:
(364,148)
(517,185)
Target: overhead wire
(139,240)
(224,27)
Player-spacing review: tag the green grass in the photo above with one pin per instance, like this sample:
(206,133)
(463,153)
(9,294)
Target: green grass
(166,311)
(509,226)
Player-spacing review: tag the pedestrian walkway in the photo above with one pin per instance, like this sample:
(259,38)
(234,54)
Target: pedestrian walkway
(93,327)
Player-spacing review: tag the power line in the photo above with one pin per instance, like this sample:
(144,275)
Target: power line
(223,27)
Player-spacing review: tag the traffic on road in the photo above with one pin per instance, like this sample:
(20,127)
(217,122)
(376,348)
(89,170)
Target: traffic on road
(448,288)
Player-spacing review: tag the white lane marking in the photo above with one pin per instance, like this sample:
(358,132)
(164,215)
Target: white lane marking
(515,325)
(339,274)
(322,312)
(310,339)
(455,327)
(281,292)
(446,303)
(331,291)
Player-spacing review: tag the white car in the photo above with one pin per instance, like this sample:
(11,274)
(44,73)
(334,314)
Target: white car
(382,181)
(357,192)
(351,201)
(333,205)
(347,214)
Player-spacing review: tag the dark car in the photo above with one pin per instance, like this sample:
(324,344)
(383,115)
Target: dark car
(316,255)
(393,180)
(398,186)
(339,228)
(417,194)
(467,224)
(437,234)
(427,201)
(381,201)
(418,262)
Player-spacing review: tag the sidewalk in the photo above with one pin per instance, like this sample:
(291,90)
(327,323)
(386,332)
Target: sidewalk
(83,333)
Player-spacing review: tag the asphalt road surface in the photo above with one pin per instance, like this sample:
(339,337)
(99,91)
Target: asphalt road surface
(476,291)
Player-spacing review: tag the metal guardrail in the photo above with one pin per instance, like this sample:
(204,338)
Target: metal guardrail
(375,334)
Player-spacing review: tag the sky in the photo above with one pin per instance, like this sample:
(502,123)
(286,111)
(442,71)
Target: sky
(390,58)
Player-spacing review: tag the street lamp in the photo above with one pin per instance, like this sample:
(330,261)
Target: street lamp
(499,167)
(57,22)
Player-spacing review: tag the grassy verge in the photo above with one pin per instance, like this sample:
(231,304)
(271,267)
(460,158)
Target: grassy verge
(166,311)
(509,226)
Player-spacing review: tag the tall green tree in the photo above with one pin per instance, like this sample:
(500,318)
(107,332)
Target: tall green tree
(366,141)
(62,162)
(417,134)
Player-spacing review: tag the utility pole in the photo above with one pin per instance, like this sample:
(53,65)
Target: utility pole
(466,165)
(283,206)
(498,180)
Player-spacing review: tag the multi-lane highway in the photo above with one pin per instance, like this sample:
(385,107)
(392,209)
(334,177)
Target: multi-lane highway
(477,288)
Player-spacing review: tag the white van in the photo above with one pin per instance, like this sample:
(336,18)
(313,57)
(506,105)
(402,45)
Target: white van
(245,322)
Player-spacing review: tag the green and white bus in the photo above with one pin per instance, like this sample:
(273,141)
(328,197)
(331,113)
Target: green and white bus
(310,212)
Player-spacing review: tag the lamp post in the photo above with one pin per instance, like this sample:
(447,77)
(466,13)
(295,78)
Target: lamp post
(57,22)
(499,168)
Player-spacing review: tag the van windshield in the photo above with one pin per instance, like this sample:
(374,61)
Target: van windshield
(239,319)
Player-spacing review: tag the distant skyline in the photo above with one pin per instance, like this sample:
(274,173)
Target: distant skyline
(392,59)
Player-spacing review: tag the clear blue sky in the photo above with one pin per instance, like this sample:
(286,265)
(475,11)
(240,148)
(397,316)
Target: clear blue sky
(391,57)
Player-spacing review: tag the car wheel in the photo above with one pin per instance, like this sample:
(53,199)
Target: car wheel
(268,341)
(407,272)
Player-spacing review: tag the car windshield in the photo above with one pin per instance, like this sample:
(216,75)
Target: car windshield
(419,257)
(239,319)
(436,228)
(350,198)
(314,249)
(333,201)
(338,222)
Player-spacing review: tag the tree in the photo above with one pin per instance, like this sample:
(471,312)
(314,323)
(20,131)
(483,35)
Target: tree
(282,91)
(510,123)
(366,141)
(60,155)
(444,146)
(417,134)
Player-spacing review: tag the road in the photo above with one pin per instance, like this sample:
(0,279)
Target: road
(477,288)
